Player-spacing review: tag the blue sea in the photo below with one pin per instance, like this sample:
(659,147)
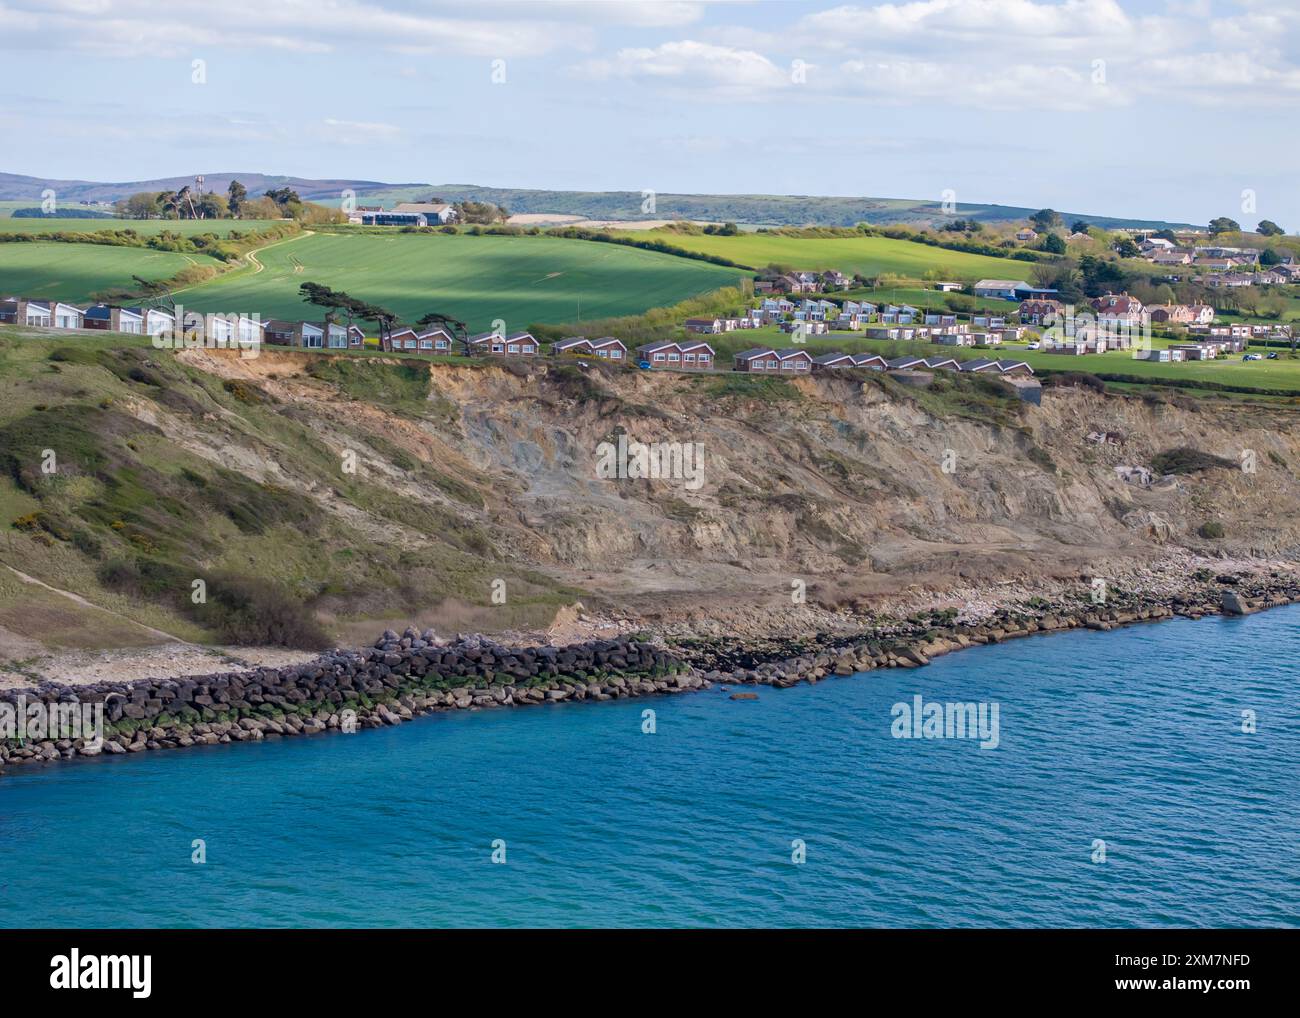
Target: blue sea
(1132,738)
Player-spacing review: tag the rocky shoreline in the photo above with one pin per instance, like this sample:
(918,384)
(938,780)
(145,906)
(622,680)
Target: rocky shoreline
(404,676)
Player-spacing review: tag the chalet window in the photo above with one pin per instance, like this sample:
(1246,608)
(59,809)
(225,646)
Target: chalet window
(689,358)
(705,358)
(426,344)
(497,348)
(616,355)
(674,357)
(513,348)
(659,356)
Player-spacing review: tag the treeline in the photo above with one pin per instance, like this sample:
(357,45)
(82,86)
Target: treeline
(36,212)
(277,203)
(229,248)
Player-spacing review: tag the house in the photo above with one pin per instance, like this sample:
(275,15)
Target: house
(833,277)
(431,341)
(765,359)
(688,355)
(67,316)
(709,326)
(988,321)
(795,361)
(1172,258)
(1197,351)
(832,361)
(1229,280)
(1035,312)
(934,318)
(980,364)
(1118,309)
(1026,236)
(305,335)
(1015,369)
(1181,314)
(807,328)
(241,330)
(943,363)
(516,344)
(356,336)
(108,318)
(1155,245)
(756,359)
(157,322)
(1005,289)
(948,287)
(870,360)
(905,363)
(607,348)
(17,311)
(1161,356)
(439,212)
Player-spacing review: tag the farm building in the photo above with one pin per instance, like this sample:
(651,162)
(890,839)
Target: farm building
(433,212)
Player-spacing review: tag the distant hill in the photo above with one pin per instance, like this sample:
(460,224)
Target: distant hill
(754,209)
(17,188)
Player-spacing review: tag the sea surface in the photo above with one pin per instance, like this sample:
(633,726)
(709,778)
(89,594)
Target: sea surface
(1133,738)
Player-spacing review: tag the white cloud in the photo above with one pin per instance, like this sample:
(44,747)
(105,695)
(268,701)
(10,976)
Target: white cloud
(1001,88)
(694,65)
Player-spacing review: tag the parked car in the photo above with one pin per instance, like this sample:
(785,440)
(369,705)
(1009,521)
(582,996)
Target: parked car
(1033,346)
(1251,357)
(1273,356)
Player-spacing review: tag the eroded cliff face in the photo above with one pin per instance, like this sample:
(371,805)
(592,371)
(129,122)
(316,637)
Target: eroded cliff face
(837,481)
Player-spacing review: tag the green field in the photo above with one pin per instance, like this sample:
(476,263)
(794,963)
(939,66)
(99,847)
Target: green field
(870,256)
(77,273)
(144,227)
(521,280)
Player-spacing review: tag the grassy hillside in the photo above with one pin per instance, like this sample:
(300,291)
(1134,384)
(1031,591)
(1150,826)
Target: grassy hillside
(144,227)
(79,272)
(145,497)
(477,279)
(761,209)
(868,255)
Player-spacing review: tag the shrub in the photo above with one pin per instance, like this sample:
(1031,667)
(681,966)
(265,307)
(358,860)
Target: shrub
(1211,529)
(1186,460)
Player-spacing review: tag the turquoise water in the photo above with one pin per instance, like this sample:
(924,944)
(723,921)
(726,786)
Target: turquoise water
(1133,737)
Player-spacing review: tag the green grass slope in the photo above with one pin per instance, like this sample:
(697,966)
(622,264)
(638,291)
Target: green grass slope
(77,273)
(870,256)
(147,494)
(521,280)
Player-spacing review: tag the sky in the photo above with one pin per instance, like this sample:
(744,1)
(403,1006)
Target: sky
(1163,109)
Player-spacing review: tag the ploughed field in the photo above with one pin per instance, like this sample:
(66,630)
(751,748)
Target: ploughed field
(520,280)
(870,256)
(77,273)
